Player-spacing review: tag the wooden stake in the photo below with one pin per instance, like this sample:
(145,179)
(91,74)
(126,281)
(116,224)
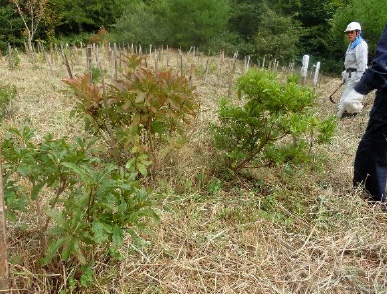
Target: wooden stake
(4,286)
(231,74)
(10,59)
(191,74)
(181,65)
(88,57)
(67,64)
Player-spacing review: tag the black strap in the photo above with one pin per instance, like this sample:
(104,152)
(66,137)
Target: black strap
(350,71)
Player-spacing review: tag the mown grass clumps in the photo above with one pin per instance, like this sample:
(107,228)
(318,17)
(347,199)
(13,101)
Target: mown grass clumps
(283,227)
(7,94)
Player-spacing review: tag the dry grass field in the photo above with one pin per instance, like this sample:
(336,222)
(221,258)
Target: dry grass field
(304,230)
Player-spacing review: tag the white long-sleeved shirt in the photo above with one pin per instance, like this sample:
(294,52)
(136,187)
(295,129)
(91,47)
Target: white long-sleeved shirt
(357,58)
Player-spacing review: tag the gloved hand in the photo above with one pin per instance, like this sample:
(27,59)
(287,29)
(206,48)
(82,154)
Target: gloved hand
(344,77)
(340,112)
(353,101)
(357,77)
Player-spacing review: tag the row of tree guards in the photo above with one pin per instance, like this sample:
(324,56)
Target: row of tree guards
(109,56)
(112,56)
(304,70)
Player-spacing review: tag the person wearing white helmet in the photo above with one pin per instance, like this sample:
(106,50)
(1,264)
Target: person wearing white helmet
(355,63)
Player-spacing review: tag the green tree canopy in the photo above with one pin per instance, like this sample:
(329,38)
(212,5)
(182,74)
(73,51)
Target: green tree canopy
(195,22)
(287,29)
(371,14)
(75,16)
(178,23)
(277,37)
(245,17)
(152,17)
(11,24)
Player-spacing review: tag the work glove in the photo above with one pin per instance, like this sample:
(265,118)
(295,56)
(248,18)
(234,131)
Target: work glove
(340,112)
(357,77)
(353,101)
(344,77)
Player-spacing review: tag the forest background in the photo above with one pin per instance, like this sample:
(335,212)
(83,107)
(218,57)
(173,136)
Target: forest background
(280,29)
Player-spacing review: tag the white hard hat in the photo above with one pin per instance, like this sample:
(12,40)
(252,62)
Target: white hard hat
(353,26)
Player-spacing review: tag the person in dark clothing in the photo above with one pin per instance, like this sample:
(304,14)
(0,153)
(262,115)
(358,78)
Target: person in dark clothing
(370,166)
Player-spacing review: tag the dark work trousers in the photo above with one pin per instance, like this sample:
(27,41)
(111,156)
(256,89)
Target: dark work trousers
(370,166)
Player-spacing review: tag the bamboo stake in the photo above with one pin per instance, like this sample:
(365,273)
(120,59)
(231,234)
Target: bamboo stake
(45,55)
(67,64)
(220,67)
(97,54)
(115,65)
(88,57)
(56,53)
(206,69)
(231,74)
(156,65)
(4,286)
(10,61)
(51,53)
(114,61)
(191,74)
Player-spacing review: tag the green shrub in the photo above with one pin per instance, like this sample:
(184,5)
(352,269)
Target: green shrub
(141,113)
(86,205)
(274,122)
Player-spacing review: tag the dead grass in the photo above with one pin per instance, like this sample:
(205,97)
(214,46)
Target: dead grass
(315,235)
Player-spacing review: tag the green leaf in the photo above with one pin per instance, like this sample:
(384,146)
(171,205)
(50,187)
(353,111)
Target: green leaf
(68,249)
(117,237)
(78,251)
(136,238)
(36,189)
(58,217)
(158,127)
(100,235)
(87,276)
(142,168)
(81,171)
(144,212)
(53,249)
(23,170)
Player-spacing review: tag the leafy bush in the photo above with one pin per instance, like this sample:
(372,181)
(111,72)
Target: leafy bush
(139,114)
(274,122)
(85,204)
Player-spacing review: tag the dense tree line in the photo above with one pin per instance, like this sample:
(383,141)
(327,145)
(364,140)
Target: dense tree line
(281,29)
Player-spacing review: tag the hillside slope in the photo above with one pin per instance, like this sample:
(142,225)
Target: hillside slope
(304,231)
